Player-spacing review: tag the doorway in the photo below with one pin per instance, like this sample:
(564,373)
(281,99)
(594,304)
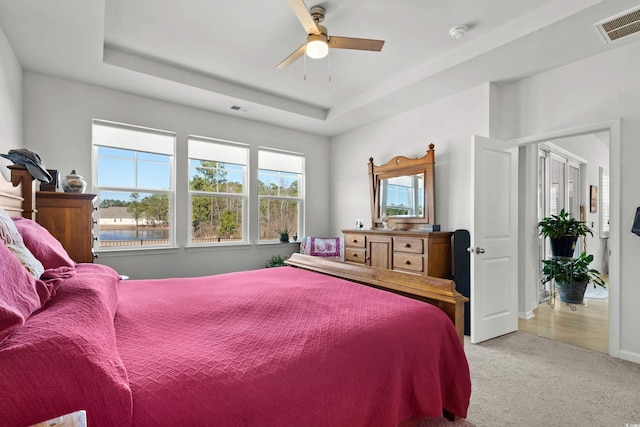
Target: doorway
(606,249)
(572,176)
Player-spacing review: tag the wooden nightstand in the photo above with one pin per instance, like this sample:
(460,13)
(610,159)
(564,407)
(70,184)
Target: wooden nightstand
(75,419)
(69,218)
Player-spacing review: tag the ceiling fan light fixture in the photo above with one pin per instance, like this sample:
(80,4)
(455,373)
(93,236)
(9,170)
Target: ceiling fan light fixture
(317,46)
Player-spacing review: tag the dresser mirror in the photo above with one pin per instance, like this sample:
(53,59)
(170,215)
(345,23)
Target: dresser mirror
(402,190)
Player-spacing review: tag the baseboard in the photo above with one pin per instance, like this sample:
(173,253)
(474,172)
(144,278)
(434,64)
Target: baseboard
(630,356)
(526,315)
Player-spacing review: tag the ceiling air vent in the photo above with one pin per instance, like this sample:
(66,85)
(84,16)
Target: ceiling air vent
(239,108)
(621,25)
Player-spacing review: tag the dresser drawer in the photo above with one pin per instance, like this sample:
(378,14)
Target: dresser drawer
(354,240)
(355,255)
(408,244)
(410,262)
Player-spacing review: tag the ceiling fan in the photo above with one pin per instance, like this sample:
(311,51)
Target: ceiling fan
(318,40)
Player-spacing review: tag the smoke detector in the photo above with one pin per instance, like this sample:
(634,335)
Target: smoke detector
(457,32)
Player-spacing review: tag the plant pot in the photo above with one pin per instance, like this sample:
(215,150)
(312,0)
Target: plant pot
(572,293)
(563,246)
(284,238)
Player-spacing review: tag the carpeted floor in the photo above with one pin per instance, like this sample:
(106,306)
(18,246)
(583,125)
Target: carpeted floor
(524,380)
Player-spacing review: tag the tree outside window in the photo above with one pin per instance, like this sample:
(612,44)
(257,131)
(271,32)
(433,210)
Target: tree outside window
(280,178)
(217,175)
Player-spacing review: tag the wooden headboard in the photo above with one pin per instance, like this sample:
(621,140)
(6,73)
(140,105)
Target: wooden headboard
(18,196)
(12,193)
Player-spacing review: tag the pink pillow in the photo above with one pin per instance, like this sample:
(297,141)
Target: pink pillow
(20,293)
(46,248)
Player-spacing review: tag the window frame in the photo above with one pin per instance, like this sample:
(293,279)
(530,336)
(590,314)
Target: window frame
(301,193)
(171,192)
(244,196)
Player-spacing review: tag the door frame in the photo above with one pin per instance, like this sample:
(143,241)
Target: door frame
(528,221)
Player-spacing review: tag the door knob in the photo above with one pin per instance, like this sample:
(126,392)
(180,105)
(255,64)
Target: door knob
(477,250)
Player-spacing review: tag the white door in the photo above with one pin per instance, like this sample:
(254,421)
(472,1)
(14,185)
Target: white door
(494,243)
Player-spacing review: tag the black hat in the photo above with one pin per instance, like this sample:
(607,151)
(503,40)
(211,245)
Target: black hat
(31,160)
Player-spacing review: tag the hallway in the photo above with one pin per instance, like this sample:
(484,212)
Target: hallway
(586,327)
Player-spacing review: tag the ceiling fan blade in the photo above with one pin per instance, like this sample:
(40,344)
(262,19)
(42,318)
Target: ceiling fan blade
(354,43)
(305,18)
(293,57)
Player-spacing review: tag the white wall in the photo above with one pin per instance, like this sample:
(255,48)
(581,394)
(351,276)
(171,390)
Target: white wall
(447,123)
(601,88)
(10,102)
(57,124)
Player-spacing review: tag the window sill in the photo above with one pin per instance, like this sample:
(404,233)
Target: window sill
(113,253)
(276,242)
(216,247)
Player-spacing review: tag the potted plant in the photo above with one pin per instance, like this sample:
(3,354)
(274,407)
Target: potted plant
(277,261)
(563,232)
(284,235)
(571,276)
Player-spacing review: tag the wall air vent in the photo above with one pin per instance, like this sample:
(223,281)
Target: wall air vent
(621,25)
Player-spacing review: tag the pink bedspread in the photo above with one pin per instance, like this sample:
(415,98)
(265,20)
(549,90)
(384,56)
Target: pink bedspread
(65,358)
(285,347)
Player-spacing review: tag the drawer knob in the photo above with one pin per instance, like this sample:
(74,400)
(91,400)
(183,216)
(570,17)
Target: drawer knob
(406,261)
(407,245)
(355,240)
(355,255)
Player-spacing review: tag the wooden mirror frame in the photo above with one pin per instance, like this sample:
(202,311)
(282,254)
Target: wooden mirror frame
(401,166)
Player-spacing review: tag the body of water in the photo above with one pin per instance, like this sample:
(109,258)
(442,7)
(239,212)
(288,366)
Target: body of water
(143,234)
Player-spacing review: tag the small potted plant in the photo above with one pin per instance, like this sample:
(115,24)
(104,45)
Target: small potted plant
(571,276)
(563,232)
(284,235)
(277,261)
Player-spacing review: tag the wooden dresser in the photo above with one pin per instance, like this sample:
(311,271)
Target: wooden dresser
(422,253)
(69,218)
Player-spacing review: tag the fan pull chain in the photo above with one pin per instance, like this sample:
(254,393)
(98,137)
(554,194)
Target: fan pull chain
(304,73)
(329,55)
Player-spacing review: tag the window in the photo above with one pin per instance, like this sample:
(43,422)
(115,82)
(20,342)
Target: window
(280,193)
(559,187)
(604,202)
(574,189)
(133,177)
(217,191)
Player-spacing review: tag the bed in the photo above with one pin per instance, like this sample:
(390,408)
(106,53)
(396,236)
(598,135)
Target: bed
(315,343)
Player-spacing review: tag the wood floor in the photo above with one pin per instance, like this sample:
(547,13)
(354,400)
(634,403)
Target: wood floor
(587,327)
